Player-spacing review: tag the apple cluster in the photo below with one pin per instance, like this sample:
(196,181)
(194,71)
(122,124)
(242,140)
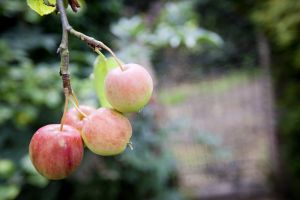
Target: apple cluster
(56,152)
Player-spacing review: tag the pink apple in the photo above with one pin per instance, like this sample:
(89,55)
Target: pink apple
(75,119)
(55,153)
(106,132)
(128,90)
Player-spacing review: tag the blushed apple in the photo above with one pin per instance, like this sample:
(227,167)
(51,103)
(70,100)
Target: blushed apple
(128,90)
(75,119)
(106,132)
(55,153)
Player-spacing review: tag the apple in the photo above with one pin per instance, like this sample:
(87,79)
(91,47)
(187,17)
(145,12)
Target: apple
(75,119)
(130,89)
(106,132)
(56,153)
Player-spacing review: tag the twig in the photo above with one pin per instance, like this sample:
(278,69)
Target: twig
(63,16)
(78,109)
(64,61)
(95,44)
(62,121)
(90,41)
(64,52)
(74,5)
(75,99)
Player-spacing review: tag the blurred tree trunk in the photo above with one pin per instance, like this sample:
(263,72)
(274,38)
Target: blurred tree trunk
(263,51)
(279,20)
(278,167)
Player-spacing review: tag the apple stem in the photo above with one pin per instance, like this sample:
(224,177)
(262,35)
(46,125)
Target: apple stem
(62,121)
(76,104)
(75,98)
(78,109)
(130,145)
(112,53)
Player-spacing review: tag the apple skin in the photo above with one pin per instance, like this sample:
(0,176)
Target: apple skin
(75,119)
(128,90)
(106,132)
(54,153)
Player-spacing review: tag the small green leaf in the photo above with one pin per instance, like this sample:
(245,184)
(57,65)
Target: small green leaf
(102,66)
(40,7)
(9,192)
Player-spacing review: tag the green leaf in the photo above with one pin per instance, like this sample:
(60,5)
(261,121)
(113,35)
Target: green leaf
(102,66)
(40,7)
(9,192)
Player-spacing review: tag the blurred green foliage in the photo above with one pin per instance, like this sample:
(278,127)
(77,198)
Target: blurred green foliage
(175,26)
(230,20)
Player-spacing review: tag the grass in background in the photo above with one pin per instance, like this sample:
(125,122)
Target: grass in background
(214,85)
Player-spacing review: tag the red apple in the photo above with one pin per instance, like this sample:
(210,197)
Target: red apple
(106,132)
(128,90)
(55,153)
(75,119)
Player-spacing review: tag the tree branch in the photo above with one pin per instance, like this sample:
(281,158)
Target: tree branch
(94,44)
(63,16)
(64,59)
(64,51)
(90,41)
